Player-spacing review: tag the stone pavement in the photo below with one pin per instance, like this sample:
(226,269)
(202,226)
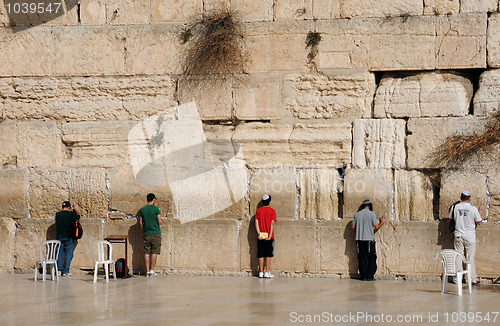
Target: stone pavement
(238,300)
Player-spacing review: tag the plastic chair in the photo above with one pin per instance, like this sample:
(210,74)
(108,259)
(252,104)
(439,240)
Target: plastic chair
(451,260)
(49,250)
(99,249)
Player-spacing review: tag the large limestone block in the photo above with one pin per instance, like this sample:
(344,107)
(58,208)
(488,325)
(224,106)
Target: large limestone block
(321,145)
(318,189)
(93,12)
(487,258)
(494,40)
(248,246)
(47,191)
(8,143)
(285,9)
(413,196)
(7,233)
(423,95)
(461,41)
(478,6)
(249,11)
(373,184)
(379,143)
(487,98)
(27,52)
(263,144)
(152,50)
(29,235)
(441,7)
(325,9)
(195,248)
(3,16)
(128,12)
(340,94)
(494,195)
(453,182)
(178,11)
(97,144)
(14,193)
(281,185)
(410,248)
(39,144)
(362,8)
(212,95)
(86,98)
(89,188)
(426,134)
(295,247)
(99,51)
(337,243)
(257,97)
(128,194)
(55,13)
(82,254)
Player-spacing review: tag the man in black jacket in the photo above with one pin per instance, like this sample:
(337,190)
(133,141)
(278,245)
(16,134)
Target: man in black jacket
(64,220)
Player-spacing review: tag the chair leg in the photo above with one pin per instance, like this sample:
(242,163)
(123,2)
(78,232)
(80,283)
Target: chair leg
(95,272)
(459,283)
(469,282)
(44,271)
(106,270)
(443,283)
(57,272)
(36,271)
(113,268)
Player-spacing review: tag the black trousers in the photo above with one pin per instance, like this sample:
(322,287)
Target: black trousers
(367,258)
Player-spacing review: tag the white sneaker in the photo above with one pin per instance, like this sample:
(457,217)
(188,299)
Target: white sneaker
(268,275)
(152,273)
(261,275)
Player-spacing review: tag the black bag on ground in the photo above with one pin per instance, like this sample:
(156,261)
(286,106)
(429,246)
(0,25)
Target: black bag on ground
(120,267)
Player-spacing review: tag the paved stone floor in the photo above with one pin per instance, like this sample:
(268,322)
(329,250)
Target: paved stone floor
(233,300)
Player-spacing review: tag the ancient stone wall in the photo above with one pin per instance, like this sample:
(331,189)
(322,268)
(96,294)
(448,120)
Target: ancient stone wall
(95,108)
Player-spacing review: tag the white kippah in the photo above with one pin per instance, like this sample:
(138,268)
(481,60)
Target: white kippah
(466,193)
(265,197)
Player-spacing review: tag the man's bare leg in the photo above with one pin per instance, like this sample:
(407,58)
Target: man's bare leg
(261,264)
(146,260)
(268,264)
(153,261)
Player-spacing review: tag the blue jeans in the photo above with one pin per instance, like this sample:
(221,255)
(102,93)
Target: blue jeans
(66,250)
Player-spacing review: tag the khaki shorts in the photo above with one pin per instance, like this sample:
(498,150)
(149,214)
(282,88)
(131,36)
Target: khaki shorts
(152,244)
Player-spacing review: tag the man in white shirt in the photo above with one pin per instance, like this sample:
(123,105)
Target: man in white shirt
(467,219)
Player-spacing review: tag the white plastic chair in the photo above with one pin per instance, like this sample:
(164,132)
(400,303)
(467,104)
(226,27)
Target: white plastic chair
(99,249)
(451,259)
(49,250)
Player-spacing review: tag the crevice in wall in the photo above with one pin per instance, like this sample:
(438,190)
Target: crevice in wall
(340,194)
(435,179)
(78,12)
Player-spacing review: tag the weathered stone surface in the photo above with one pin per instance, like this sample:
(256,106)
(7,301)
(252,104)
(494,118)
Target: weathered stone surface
(441,7)
(281,184)
(39,144)
(13,193)
(494,195)
(153,50)
(361,8)
(3,15)
(93,12)
(478,6)
(373,184)
(413,196)
(325,9)
(426,134)
(494,40)
(88,187)
(165,11)
(487,254)
(91,98)
(7,232)
(82,255)
(248,246)
(99,51)
(295,247)
(216,5)
(196,239)
(453,182)
(342,95)
(284,10)
(47,191)
(379,143)
(337,247)
(410,248)
(487,98)
(248,11)
(320,145)
(128,195)
(423,95)
(212,95)
(29,235)
(318,189)
(97,144)
(128,12)
(8,143)
(257,97)
(461,41)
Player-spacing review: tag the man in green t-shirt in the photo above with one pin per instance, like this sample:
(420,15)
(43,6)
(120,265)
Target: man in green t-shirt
(150,220)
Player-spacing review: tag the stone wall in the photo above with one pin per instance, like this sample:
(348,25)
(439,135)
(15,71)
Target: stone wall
(94,108)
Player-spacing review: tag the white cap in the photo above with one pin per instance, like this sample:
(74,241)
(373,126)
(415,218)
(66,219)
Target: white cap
(466,193)
(265,197)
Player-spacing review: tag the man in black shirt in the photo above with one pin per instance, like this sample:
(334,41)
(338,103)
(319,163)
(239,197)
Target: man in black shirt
(64,219)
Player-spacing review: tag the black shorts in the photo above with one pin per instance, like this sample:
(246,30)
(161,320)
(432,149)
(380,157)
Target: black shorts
(265,248)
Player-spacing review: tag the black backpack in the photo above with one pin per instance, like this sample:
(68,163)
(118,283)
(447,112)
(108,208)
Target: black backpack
(76,230)
(120,267)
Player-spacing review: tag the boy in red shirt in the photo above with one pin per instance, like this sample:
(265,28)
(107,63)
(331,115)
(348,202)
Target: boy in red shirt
(264,225)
